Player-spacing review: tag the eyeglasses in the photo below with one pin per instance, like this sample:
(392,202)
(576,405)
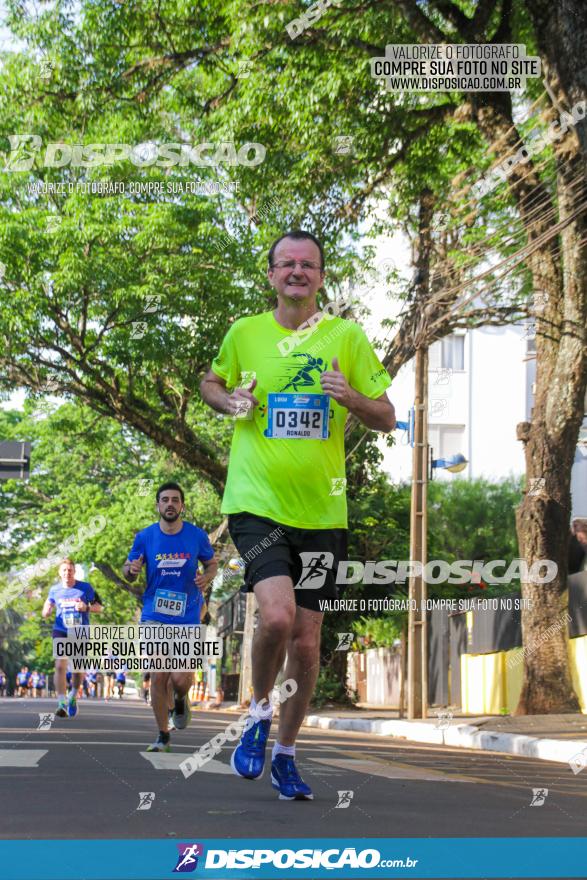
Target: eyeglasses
(305,265)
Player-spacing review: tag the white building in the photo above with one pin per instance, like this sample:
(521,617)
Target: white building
(480,386)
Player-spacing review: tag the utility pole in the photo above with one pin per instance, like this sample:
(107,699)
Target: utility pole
(417,621)
(417,618)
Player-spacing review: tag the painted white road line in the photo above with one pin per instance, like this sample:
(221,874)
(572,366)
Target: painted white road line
(170,761)
(140,744)
(390,771)
(21,757)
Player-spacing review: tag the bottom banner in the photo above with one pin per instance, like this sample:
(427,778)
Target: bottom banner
(369,859)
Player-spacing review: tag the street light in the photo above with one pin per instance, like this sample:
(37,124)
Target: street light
(455,463)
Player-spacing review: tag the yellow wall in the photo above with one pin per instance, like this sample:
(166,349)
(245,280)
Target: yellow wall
(578,657)
(489,685)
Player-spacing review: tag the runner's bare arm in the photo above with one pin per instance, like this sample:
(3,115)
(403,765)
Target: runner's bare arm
(47,608)
(209,573)
(132,569)
(377,414)
(214,393)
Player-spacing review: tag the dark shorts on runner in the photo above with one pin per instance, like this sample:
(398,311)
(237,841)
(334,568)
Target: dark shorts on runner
(270,549)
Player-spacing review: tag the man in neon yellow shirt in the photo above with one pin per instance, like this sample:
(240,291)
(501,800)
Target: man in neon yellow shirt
(285,493)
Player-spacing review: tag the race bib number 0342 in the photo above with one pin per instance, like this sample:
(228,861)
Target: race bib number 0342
(297,416)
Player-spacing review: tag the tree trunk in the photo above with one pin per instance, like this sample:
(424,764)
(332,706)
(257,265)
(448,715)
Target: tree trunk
(550,438)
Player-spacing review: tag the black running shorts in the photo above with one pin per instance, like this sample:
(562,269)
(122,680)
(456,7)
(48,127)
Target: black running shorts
(309,557)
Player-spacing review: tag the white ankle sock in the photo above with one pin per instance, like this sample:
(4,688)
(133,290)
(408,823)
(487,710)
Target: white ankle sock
(278,749)
(61,697)
(265,710)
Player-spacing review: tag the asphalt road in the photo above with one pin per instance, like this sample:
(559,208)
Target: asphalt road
(85,775)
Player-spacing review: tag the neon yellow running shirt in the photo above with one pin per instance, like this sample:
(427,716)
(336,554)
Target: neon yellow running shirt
(278,467)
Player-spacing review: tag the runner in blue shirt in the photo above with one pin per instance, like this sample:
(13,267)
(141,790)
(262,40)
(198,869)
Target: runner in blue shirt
(41,683)
(71,600)
(22,681)
(171,550)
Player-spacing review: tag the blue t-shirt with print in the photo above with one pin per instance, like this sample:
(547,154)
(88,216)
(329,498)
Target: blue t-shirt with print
(64,599)
(171,562)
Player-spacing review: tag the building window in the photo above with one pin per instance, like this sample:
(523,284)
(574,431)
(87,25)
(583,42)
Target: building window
(446,440)
(452,352)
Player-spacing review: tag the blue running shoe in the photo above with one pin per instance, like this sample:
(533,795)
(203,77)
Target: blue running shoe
(288,782)
(248,759)
(61,710)
(72,707)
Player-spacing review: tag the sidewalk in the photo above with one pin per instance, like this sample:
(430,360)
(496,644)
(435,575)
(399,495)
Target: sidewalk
(558,738)
(547,737)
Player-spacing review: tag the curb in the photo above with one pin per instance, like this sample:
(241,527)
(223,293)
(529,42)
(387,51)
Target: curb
(464,736)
